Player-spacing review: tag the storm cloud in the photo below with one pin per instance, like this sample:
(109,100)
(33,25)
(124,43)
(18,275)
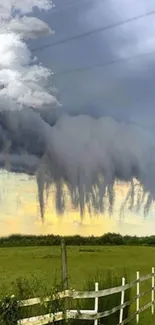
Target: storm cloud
(104,131)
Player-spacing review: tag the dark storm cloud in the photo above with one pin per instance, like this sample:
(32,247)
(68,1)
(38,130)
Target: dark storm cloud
(124,90)
(88,153)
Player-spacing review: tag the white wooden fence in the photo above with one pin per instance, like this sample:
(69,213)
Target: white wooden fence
(94,314)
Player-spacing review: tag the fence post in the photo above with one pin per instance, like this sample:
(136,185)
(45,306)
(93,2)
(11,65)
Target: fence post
(153,287)
(137,299)
(96,303)
(64,264)
(122,301)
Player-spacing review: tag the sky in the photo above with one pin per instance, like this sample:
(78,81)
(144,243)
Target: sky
(123,92)
(20,213)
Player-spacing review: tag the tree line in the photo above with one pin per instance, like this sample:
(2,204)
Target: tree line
(54,240)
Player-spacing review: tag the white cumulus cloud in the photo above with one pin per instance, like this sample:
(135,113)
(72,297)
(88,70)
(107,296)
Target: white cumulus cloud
(24,82)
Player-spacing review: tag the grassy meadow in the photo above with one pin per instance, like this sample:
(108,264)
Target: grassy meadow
(40,267)
(44,263)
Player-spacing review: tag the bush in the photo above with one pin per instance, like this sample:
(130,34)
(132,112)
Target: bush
(27,288)
(9,311)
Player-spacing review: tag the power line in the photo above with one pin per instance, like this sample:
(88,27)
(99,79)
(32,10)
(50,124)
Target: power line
(93,31)
(105,64)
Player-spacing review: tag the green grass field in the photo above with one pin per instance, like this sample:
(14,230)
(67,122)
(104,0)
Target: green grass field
(44,265)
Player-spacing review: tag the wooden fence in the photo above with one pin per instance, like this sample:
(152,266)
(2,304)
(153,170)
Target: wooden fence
(94,314)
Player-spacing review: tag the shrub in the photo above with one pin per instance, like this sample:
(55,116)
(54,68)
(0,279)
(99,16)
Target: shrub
(9,311)
(27,288)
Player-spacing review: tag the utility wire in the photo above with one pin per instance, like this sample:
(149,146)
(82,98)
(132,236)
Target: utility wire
(103,65)
(93,31)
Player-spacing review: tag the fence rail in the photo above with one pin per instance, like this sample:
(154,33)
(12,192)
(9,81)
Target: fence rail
(96,294)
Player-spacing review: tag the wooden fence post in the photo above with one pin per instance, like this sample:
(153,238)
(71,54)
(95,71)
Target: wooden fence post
(64,265)
(96,303)
(153,287)
(137,299)
(122,302)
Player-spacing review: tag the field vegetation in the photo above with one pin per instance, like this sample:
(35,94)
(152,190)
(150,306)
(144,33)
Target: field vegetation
(35,270)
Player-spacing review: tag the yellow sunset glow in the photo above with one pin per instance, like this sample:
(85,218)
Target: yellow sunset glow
(20,213)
